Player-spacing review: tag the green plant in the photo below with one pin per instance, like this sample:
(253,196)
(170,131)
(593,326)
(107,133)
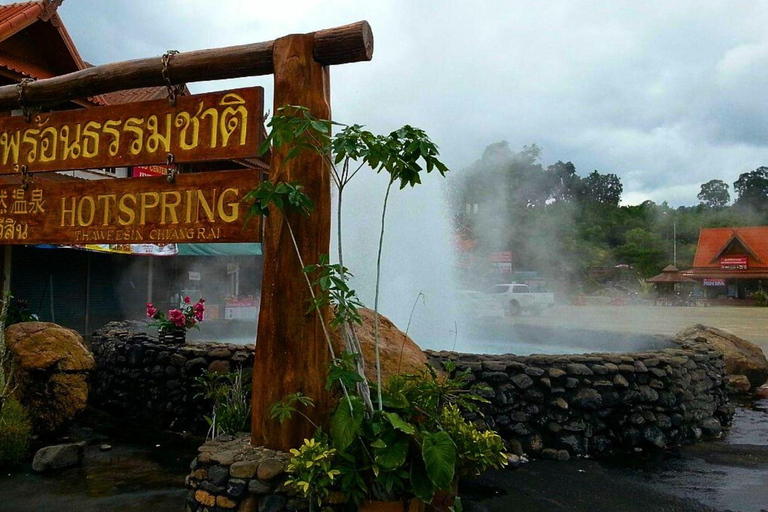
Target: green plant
(401,448)
(417,445)
(761,298)
(402,154)
(231,409)
(15,433)
(311,470)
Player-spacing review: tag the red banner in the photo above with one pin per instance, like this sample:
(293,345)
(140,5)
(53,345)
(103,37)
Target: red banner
(733,262)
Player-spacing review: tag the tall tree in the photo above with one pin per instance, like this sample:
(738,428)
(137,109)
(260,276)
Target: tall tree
(604,189)
(752,188)
(714,194)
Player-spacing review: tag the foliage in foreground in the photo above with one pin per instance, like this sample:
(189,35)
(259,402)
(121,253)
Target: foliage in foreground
(417,445)
(15,433)
(231,411)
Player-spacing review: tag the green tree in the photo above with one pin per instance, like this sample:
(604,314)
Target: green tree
(643,250)
(604,189)
(752,188)
(714,194)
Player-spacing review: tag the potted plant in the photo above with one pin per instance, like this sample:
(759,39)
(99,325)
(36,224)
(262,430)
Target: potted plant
(173,327)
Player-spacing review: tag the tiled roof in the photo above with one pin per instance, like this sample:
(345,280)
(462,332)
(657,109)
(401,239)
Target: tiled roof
(16,16)
(22,67)
(15,179)
(713,241)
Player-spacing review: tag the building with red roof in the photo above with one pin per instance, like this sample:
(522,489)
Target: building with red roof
(731,262)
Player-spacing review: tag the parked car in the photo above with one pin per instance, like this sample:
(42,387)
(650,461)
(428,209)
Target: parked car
(517,298)
(477,305)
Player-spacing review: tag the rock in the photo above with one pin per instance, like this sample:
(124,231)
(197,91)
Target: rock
(738,384)
(522,381)
(205,498)
(762,391)
(711,427)
(218,475)
(578,369)
(513,461)
(587,398)
(219,366)
(563,455)
(105,447)
(742,357)
(258,487)
(243,469)
(549,454)
(224,502)
(269,469)
(398,353)
(51,368)
(58,456)
(272,503)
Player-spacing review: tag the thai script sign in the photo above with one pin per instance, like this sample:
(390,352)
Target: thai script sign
(198,207)
(216,126)
(714,282)
(733,262)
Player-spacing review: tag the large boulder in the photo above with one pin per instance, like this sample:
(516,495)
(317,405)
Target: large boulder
(742,357)
(50,367)
(398,353)
(58,456)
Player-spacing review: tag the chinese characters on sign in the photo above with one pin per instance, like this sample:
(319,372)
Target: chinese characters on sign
(198,207)
(215,126)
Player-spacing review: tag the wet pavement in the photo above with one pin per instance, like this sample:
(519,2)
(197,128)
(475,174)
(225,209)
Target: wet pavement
(730,474)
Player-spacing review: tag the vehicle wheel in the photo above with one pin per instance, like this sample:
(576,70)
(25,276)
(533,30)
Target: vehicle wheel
(514,308)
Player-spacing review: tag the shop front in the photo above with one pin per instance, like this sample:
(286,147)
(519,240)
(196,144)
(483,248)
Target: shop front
(731,263)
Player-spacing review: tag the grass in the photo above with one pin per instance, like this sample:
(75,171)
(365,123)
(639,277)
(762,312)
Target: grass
(15,433)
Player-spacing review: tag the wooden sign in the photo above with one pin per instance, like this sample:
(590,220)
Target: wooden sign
(199,207)
(216,126)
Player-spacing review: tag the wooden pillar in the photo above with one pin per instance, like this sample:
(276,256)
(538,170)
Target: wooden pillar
(291,352)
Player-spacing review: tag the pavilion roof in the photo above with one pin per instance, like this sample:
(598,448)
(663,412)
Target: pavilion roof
(717,242)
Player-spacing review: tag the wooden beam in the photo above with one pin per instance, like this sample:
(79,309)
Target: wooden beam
(291,351)
(340,45)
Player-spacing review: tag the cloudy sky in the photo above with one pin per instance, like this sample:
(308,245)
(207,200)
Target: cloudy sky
(667,95)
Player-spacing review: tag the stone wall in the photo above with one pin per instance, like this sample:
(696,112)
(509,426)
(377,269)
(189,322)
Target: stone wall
(596,404)
(231,474)
(142,381)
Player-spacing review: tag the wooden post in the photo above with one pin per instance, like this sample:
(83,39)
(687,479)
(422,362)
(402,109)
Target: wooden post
(291,352)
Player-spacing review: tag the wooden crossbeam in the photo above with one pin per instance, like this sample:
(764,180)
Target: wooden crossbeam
(339,45)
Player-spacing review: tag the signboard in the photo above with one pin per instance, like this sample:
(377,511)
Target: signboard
(215,126)
(150,171)
(199,207)
(501,257)
(733,262)
(714,282)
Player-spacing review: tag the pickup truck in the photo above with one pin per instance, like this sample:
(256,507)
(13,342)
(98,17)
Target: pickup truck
(516,298)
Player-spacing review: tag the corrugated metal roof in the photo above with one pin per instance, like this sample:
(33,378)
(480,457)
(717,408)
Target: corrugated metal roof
(713,241)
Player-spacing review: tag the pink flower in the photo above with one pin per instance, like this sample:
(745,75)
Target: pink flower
(199,315)
(177,317)
(187,300)
(151,310)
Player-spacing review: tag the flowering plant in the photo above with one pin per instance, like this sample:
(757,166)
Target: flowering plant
(186,316)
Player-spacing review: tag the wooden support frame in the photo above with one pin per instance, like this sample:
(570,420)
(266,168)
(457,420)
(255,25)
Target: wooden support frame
(292,354)
(339,45)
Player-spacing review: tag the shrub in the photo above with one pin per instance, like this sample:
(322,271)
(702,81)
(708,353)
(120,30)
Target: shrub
(15,433)
(230,396)
(761,298)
